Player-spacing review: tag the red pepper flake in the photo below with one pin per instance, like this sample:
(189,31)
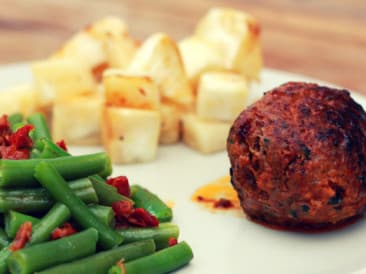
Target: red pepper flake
(66,230)
(126,216)
(223,203)
(120,264)
(216,203)
(205,200)
(22,237)
(142,91)
(122,185)
(200,198)
(172,241)
(62,144)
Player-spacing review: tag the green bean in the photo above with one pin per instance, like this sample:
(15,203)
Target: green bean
(103,213)
(57,215)
(38,200)
(4,254)
(17,126)
(48,176)
(101,262)
(41,129)
(163,261)
(41,256)
(14,119)
(107,194)
(19,173)
(49,149)
(39,230)
(13,221)
(115,270)
(160,234)
(4,241)
(152,203)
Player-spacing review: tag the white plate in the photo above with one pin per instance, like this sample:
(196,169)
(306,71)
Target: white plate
(225,243)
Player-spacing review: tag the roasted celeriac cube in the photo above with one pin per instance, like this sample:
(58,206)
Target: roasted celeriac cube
(109,25)
(170,130)
(234,32)
(206,136)
(159,58)
(221,95)
(85,49)
(131,91)
(252,64)
(118,45)
(18,99)
(77,120)
(59,79)
(199,56)
(130,135)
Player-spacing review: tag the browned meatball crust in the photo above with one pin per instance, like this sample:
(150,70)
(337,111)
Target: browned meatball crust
(298,156)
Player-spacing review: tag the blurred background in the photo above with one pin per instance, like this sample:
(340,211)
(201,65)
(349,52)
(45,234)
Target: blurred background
(325,39)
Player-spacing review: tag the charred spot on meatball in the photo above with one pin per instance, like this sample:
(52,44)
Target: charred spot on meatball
(298,156)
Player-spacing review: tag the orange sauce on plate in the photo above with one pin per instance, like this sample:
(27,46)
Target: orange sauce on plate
(217,195)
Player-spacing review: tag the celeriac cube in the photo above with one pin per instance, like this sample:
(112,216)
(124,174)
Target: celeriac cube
(199,56)
(118,45)
(251,65)
(130,135)
(170,130)
(124,90)
(159,58)
(221,95)
(77,120)
(206,136)
(120,50)
(109,25)
(19,99)
(60,79)
(85,49)
(234,32)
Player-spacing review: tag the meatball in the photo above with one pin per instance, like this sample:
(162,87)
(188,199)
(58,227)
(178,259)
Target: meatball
(298,156)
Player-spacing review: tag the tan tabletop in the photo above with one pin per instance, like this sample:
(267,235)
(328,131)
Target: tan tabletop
(325,39)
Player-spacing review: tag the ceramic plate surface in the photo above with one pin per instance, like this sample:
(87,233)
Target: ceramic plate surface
(227,242)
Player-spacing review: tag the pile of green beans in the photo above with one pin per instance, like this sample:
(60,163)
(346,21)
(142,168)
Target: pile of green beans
(53,188)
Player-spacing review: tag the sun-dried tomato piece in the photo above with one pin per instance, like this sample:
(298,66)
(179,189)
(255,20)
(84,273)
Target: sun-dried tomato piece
(122,209)
(20,139)
(4,124)
(122,185)
(140,217)
(5,130)
(17,145)
(126,216)
(62,144)
(22,237)
(66,230)
(11,153)
(172,241)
